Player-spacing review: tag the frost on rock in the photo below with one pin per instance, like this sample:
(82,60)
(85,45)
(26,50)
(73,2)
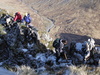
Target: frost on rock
(78,46)
(6,72)
(21,46)
(41,57)
(25,50)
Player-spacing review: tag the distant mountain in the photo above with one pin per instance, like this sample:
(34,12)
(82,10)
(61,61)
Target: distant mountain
(74,20)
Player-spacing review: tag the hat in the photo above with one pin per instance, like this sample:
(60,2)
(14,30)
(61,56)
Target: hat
(26,14)
(18,12)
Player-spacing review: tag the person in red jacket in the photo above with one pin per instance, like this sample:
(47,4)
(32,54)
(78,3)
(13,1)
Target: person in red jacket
(18,17)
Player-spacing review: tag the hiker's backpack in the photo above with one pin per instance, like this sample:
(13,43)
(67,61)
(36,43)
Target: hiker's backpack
(56,43)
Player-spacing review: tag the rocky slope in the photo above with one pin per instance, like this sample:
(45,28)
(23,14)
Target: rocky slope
(19,45)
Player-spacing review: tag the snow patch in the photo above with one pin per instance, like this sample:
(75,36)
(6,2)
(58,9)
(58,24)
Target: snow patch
(25,50)
(41,57)
(6,72)
(1,63)
(30,45)
(78,46)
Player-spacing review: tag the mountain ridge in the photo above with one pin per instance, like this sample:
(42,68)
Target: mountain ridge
(69,17)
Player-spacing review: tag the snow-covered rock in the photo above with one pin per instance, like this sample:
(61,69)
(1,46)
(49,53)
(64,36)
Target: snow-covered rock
(6,72)
(78,46)
(24,50)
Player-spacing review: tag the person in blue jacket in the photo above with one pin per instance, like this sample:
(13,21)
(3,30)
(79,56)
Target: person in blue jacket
(27,19)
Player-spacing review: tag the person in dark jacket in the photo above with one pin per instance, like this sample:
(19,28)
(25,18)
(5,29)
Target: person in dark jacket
(27,19)
(18,17)
(59,48)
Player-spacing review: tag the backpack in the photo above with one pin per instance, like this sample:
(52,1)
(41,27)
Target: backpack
(56,43)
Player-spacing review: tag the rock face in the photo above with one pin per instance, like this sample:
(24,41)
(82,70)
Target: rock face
(18,43)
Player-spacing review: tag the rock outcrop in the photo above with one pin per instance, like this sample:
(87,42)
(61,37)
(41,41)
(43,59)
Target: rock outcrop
(19,45)
(17,41)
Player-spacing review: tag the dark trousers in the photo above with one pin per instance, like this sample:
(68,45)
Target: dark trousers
(27,23)
(57,54)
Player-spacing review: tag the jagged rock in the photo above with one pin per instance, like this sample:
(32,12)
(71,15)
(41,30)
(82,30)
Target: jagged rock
(21,46)
(50,63)
(79,56)
(17,39)
(12,35)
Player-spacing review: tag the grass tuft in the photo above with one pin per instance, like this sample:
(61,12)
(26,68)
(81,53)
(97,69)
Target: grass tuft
(2,30)
(26,70)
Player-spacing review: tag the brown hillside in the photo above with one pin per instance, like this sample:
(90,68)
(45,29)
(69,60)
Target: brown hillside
(73,19)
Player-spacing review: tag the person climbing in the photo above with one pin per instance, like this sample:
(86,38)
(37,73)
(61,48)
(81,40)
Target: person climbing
(18,17)
(58,44)
(27,19)
(66,51)
(90,45)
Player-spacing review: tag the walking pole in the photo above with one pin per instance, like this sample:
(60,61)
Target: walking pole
(65,56)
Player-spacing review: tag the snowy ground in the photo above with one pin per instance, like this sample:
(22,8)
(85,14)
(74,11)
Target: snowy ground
(6,72)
